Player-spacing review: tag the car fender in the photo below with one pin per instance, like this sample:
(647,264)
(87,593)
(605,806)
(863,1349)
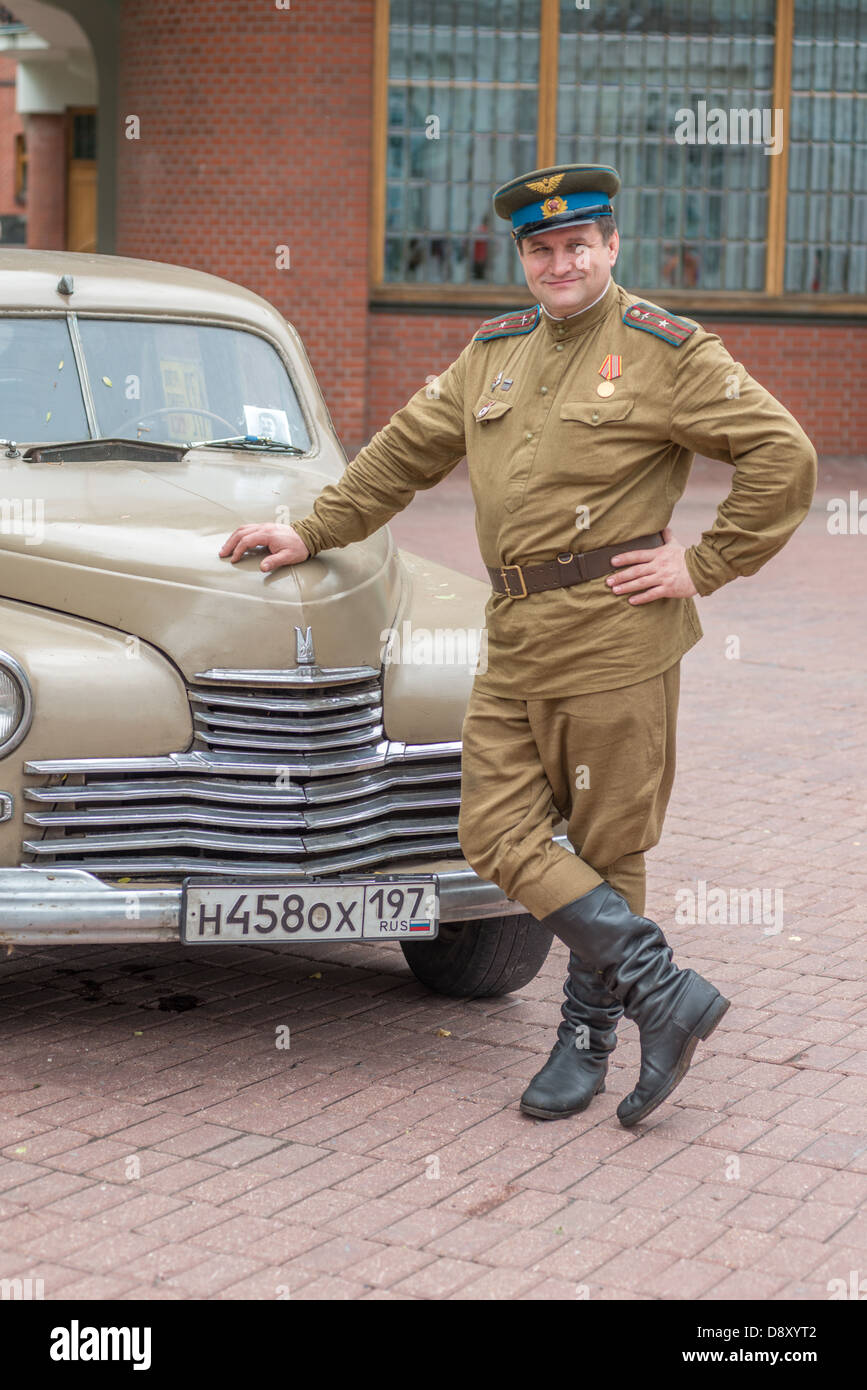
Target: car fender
(431,651)
(96,693)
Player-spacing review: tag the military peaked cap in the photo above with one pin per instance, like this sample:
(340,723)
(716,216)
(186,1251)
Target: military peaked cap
(563,196)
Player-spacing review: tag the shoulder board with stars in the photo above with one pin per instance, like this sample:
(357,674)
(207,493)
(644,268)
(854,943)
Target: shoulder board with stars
(509,325)
(669,327)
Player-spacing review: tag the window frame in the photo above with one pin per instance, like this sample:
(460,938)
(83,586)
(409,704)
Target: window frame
(20,174)
(772,301)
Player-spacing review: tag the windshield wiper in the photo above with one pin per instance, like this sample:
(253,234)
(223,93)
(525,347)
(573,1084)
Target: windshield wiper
(247,441)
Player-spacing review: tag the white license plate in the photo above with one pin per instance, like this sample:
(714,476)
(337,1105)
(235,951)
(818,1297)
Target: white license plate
(380,909)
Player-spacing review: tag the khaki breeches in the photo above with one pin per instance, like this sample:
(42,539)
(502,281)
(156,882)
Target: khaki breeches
(602,762)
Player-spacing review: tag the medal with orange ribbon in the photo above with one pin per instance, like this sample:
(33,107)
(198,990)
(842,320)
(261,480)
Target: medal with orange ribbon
(611,368)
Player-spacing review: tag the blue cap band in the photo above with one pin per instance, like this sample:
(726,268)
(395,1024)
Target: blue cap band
(556,206)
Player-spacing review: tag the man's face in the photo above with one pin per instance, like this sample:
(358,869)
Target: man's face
(566,268)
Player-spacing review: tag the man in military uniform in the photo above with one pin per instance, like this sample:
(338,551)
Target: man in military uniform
(579,419)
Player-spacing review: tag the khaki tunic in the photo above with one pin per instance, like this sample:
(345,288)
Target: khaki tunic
(554,467)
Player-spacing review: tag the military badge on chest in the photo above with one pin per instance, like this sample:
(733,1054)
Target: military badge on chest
(611,369)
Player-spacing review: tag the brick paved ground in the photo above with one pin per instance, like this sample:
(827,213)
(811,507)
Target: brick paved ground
(156,1154)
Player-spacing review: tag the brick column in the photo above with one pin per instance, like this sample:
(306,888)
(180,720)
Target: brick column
(254,133)
(46,182)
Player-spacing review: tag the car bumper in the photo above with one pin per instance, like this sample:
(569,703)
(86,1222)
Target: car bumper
(38,906)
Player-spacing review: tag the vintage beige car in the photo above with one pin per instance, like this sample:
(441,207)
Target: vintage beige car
(190,749)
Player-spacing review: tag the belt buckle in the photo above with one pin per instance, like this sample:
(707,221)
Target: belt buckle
(503,569)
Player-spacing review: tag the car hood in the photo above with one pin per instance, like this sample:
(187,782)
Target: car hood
(135,546)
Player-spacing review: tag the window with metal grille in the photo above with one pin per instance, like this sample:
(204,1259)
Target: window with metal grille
(768,196)
(462,117)
(826,233)
(692,212)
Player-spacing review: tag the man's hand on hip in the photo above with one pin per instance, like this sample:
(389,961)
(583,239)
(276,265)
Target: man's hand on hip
(649,574)
(284,543)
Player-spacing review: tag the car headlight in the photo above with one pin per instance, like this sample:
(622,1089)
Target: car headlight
(16,703)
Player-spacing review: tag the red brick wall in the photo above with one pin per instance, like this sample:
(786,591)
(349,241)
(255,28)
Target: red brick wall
(819,372)
(255,133)
(10,126)
(46,181)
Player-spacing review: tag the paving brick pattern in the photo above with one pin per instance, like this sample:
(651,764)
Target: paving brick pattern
(150,1154)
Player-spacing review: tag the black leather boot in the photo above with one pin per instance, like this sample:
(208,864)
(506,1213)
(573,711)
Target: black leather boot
(674,1009)
(575,1071)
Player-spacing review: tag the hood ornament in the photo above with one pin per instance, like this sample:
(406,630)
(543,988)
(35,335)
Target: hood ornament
(304,647)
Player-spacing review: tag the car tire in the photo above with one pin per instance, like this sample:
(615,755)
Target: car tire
(481,957)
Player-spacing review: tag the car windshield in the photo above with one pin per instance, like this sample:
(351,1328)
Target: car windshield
(169,383)
(40,393)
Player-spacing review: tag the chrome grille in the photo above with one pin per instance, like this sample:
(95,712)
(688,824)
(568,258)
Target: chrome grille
(278,719)
(289,776)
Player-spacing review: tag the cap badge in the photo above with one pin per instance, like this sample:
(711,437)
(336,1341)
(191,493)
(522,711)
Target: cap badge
(553,206)
(548,185)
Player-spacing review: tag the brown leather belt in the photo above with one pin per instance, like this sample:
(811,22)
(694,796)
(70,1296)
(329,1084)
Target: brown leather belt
(566,569)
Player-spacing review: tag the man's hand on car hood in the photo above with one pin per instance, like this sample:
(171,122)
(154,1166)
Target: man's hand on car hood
(285,545)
